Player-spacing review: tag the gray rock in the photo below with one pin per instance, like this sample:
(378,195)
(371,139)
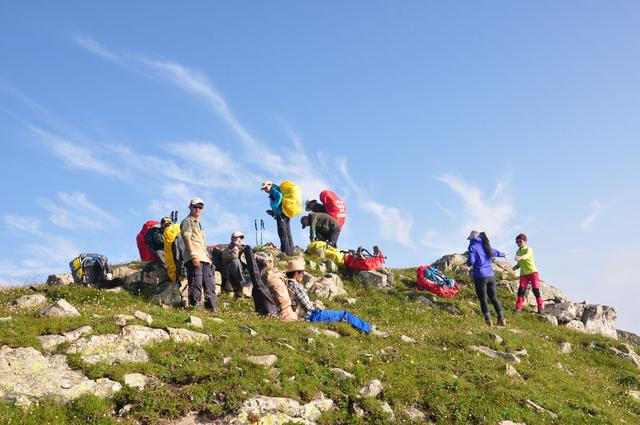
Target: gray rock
(390,276)
(358,411)
(122,319)
(551,319)
(511,358)
(453,263)
(5,319)
(413,414)
(496,338)
(550,294)
(51,342)
(342,374)
(386,408)
(564,348)
(60,308)
(279,410)
(185,335)
(330,334)
(427,301)
(563,368)
(29,302)
(512,372)
(373,279)
(511,423)
(322,268)
(634,394)
(136,380)
(217,320)
(122,272)
(351,301)
(600,319)
(407,339)
(196,322)
(115,290)
(372,389)
(75,334)
(331,266)
(145,317)
(267,360)
(329,286)
(452,310)
(60,279)
(312,265)
(628,355)
(143,335)
(26,376)
(575,325)
(541,409)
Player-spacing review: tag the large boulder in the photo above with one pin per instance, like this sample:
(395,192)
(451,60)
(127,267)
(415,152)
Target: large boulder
(61,308)
(30,302)
(453,263)
(587,318)
(27,376)
(279,410)
(60,279)
(374,279)
(550,294)
(329,286)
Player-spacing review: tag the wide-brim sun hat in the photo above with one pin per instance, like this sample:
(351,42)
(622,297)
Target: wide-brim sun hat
(296,265)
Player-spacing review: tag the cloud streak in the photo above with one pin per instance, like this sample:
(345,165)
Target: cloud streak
(586,225)
(73,211)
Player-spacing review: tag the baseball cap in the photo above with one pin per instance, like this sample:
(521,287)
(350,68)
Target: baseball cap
(196,201)
(265,184)
(237,234)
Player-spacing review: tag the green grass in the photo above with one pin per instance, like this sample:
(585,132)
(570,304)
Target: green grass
(439,374)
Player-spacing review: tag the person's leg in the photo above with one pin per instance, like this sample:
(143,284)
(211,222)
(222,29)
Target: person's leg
(280,224)
(522,290)
(332,316)
(290,244)
(209,286)
(194,279)
(159,254)
(481,292)
(234,274)
(493,297)
(534,278)
(333,239)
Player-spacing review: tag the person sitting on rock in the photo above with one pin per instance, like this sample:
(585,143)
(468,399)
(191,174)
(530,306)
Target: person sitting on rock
(480,256)
(313,205)
(322,227)
(528,274)
(233,266)
(314,311)
(157,240)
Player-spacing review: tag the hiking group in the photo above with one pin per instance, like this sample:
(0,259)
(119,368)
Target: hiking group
(182,249)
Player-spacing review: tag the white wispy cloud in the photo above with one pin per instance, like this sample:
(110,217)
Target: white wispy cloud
(24,224)
(94,47)
(74,155)
(394,224)
(586,225)
(74,211)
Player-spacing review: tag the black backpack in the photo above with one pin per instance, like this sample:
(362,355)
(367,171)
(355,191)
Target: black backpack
(89,269)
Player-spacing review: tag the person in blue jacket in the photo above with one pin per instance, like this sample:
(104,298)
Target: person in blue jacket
(480,256)
(282,221)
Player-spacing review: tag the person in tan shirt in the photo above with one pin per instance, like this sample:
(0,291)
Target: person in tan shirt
(199,268)
(276,282)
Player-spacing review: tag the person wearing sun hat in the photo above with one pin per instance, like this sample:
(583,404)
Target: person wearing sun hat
(199,268)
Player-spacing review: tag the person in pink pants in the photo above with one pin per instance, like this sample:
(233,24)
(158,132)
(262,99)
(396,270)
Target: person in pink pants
(528,274)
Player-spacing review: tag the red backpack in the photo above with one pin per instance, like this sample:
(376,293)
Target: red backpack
(363,260)
(334,206)
(145,252)
(436,282)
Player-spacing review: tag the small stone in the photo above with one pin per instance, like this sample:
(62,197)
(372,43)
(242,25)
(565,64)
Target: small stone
(413,414)
(452,310)
(426,301)
(314,330)
(634,394)
(358,411)
(185,335)
(342,374)
(562,367)
(115,290)
(511,358)
(511,423)
(351,301)
(564,348)
(28,302)
(312,264)
(249,330)
(60,308)
(125,409)
(5,319)
(516,331)
(122,319)
(407,339)
(541,409)
(274,372)
(51,342)
(388,410)
(310,340)
(522,353)
(60,279)
(217,320)
(145,317)
(496,338)
(330,334)
(136,381)
(226,360)
(372,389)
(551,319)
(267,360)
(74,335)
(196,322)
(512,372)
(331,266)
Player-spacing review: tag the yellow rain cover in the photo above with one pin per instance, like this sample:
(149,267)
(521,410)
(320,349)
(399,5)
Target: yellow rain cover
(291,199)
(330,252)
(170,234)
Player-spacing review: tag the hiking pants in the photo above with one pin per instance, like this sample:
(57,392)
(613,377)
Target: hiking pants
(486,287)
(332,239)
(235,277)
(331,316)
(284,233)
(534,280)
(199,277)
(159,254)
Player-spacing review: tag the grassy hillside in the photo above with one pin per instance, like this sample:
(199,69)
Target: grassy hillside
(438,374)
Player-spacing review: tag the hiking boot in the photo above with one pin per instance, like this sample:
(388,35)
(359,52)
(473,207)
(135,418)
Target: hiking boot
(488,322)
(501,322)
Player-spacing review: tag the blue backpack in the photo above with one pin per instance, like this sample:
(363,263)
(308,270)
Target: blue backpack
(436,276)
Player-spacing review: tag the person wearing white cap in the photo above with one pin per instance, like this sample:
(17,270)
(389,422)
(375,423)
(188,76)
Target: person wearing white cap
(233,266)
(199,268)
(282,221)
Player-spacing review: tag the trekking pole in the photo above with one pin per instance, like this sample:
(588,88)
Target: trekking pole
(261,229)
(255,224)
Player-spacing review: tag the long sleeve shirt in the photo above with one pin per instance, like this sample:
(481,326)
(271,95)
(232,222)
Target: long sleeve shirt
(299,297)
(526,264)
(275,200)
(479,260)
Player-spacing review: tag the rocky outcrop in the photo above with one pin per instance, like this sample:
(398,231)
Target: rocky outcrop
(30,302)
(587,318)
(60,279)
(279,410)
(374,279)
(52,342)
(550,294)
(27,376)
(328,286)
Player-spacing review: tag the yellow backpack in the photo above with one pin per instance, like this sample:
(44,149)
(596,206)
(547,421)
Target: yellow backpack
(330,252)
(291,199)
(170,234)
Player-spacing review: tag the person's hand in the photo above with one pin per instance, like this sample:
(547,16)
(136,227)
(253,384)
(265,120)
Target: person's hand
(517,258)
(195,262)
(270,212)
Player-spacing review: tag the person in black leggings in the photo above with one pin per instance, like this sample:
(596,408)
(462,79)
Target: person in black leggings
(480,256)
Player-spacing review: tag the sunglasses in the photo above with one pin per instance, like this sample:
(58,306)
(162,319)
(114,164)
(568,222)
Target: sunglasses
(197,207)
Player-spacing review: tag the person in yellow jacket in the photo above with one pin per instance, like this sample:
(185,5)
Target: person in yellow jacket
(199,268)
(528,273)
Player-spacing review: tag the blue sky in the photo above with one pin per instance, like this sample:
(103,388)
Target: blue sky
(430,119)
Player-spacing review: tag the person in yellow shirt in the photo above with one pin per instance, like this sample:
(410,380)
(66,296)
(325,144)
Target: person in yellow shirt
(528,273)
